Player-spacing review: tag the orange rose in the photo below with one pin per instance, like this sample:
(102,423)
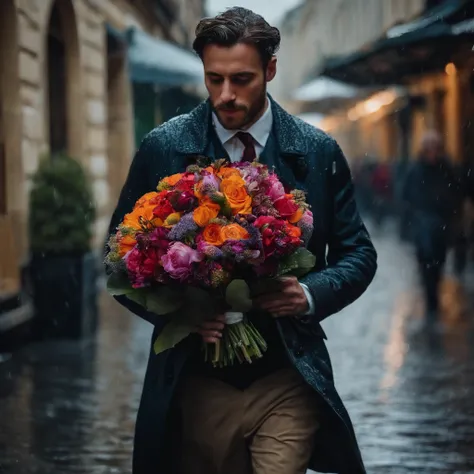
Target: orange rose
(212,234)
(145,198)
(234,232)
(293,231)
(197,191)
(126,243)
(296,217)
(142,217)
(225,172)
(205,212)
(234,190)
(173,179)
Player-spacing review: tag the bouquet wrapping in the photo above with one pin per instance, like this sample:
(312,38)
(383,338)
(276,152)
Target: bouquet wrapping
(199,243)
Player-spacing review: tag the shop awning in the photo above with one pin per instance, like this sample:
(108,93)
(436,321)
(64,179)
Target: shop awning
(324,88)
(325,95)
(451,11)
(155,61)
(404,53)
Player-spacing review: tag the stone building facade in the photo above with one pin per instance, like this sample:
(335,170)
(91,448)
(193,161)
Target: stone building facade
(374,127)
(321,28)
(64,85)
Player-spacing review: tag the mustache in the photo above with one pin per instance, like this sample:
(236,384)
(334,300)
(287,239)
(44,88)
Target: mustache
(232,107)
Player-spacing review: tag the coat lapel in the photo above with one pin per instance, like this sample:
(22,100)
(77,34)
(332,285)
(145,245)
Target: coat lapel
(286,148)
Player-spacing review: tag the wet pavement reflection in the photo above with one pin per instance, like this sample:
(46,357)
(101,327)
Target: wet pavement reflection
(70,407)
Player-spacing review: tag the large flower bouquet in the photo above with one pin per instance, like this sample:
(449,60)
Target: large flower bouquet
(206,237)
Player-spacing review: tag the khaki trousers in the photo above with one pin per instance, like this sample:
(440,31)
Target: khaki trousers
(268,428)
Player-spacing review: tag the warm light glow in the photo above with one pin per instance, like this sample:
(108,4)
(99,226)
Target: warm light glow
(450,69)
(330,123)
(371,105)
(353,115)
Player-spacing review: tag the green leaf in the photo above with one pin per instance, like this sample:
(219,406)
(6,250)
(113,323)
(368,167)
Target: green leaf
(173,333)
(138,295)
(119,284)
(298,264)
(237,296)
(163,300)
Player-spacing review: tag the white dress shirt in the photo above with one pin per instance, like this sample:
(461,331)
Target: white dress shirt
(260,132)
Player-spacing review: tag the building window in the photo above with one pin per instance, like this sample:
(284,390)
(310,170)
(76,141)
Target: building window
(57,84)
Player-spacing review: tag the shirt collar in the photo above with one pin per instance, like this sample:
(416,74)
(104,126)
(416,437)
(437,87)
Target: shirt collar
(260,130)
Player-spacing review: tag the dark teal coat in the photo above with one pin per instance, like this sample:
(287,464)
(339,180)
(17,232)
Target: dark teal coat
(305,158)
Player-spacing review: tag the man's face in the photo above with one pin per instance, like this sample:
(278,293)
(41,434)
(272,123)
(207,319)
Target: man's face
(237,83)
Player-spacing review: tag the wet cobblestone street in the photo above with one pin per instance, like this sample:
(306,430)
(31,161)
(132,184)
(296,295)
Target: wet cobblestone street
(70,407)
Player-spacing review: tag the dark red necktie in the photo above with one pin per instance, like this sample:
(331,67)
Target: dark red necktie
(249,150)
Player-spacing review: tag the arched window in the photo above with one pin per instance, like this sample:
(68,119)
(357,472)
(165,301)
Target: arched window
(63,81)
(57,76)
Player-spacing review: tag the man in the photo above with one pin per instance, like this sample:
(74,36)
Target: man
(434,191)
(282,413)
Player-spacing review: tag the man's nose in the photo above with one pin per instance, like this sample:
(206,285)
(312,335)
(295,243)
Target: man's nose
(227,93)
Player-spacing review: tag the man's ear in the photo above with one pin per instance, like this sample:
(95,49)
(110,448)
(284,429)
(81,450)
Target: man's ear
(271,69)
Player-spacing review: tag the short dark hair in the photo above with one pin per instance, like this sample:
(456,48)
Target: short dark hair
(238,25)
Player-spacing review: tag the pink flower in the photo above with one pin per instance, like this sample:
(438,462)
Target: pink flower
(179,259)
(276,191)
(307,219)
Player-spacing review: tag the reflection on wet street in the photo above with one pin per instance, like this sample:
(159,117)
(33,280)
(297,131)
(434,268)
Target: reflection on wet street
(67,407)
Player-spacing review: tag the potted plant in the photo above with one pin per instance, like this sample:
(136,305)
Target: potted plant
(63,267)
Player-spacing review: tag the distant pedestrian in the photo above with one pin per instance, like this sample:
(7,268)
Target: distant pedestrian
(433,194)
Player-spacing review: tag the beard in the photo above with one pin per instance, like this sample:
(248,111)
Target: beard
(248,116)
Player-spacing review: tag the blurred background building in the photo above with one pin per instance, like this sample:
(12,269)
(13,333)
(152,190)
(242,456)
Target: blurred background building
(376,75)
(88,78)
(421,47)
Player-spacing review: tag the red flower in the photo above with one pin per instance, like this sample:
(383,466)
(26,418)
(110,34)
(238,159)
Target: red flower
(163,210)
(186,183)
(286,207)
(159,240)
(143,266)
(272,233)
(264,220)
(184,201)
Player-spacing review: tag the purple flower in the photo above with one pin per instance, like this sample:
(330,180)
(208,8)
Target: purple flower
(183,228)
(235,249)
(306,225)
(179,259)
(251,174)
(210,183)
(211,251)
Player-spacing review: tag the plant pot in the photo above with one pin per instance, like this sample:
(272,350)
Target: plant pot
(64,291)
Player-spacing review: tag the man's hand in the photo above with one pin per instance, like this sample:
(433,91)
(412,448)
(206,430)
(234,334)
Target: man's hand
(211,331)
(285,299)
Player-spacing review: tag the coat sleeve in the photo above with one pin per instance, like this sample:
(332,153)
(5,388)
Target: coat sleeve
(351,256)
(137,184)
